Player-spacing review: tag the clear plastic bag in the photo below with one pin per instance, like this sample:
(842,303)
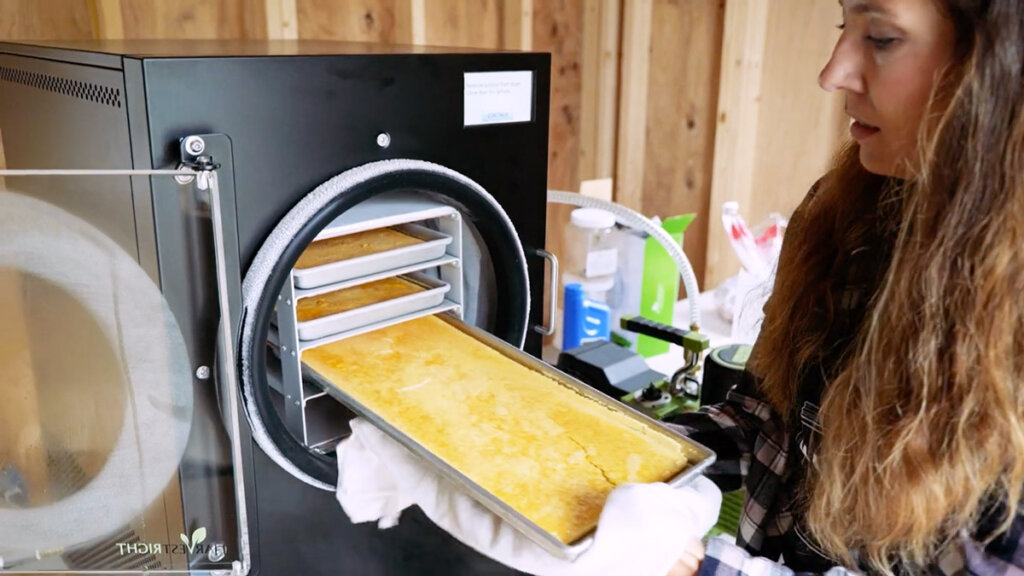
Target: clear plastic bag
(740,298)
(757,248)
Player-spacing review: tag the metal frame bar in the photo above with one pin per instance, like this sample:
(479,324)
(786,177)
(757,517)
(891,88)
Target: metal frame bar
(291,363)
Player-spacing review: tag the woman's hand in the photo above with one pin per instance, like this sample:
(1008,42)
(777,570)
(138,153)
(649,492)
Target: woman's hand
(689,563)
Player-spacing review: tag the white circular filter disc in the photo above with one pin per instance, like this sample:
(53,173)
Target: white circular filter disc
(43,241)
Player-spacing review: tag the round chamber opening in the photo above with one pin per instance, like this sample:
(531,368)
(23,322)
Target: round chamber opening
(64,392)
(323,420)
(293,419)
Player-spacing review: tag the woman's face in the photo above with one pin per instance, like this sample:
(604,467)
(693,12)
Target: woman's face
(887,61)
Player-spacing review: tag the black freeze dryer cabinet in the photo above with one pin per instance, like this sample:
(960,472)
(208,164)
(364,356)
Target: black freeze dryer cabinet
(447,135)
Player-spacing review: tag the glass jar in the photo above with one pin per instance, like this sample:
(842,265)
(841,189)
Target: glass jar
(590,249)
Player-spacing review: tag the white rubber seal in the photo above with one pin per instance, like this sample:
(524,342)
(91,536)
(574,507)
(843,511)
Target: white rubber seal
(44,241)
(273,248)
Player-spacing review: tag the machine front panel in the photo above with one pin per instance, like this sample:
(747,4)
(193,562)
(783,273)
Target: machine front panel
(296,122)
(279,128)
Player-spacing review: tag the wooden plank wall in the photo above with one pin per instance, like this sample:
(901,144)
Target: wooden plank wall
(190,18)
(777,130)
(686,103)
(679,134)
(599,82)
(42,19)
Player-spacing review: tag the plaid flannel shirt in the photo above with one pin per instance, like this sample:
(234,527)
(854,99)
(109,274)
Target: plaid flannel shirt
(757,450)
(754,449)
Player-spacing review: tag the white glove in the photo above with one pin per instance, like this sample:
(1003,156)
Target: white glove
(642,531)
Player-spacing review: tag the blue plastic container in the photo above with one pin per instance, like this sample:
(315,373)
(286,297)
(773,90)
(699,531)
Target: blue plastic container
(584,320)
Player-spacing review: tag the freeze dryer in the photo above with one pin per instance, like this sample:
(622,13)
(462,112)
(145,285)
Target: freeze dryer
(123,449)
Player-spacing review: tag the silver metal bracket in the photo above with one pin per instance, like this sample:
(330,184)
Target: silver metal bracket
(195,158)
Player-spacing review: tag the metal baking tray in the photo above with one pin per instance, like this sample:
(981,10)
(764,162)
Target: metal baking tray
(432,295)
(445,306)
(700,456)
(433,246)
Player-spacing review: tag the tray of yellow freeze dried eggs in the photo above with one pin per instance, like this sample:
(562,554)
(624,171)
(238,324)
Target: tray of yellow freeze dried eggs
(330,260)
(533,445)
(357,306)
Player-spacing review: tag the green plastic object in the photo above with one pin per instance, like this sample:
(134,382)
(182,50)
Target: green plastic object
(647,284)
(661,284)
(730,514)
(675,405)
(696,342)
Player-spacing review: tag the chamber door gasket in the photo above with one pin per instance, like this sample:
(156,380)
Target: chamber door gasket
(277,256)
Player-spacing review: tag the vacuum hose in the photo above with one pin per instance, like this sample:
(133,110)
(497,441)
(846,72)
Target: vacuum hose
(635,220)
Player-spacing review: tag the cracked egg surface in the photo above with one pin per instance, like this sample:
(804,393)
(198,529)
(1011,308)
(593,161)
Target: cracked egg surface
(547,451)
(353,245)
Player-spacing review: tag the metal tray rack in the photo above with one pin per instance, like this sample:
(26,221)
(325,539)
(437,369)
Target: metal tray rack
(439,254)
(304,398)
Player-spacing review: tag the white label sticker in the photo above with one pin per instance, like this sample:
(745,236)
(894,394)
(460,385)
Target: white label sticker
(498,97)
(601,262)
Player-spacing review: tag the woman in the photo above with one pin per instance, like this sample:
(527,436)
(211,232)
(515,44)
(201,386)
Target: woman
(881,423)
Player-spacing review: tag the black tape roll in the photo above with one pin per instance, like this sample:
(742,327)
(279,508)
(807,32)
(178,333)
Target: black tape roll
(722,370)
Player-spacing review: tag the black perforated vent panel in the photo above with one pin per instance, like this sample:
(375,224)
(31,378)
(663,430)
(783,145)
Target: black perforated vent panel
(74,88)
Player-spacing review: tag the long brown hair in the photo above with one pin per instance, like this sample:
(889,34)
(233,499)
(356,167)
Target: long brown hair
(923,424)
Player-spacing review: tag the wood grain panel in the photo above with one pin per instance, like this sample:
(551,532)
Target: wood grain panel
(557,28)
(282,19)
(777,129)
(686,39)
(45,19)
(743,47)
(254,18)
(636,58)
(517,25)
(800,125)
(590,60)
(382,21)
(194,19)
(599,99)
(476,24)
(108,22)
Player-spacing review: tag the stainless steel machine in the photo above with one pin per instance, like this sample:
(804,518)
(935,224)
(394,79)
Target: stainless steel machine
(239,155)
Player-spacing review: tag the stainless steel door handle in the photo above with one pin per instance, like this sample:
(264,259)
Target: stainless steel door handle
(552,293)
